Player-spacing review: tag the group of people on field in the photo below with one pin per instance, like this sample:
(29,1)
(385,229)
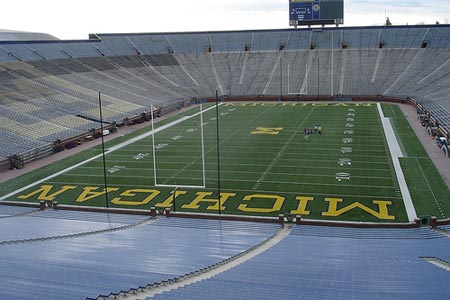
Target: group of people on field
(316,129)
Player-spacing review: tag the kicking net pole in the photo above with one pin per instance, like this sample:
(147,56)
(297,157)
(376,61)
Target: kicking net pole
(153,144)
(218,150)
(203,145)
(103,149)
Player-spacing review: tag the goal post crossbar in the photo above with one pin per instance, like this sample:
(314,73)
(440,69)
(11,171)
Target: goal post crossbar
(301,94)
(181,186)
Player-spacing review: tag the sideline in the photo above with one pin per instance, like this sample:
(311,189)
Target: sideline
(396,153)
(112,149)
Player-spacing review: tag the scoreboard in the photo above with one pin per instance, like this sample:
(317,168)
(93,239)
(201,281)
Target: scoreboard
(316,12)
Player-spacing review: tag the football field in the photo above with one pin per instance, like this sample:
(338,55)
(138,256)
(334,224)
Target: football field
(258,156)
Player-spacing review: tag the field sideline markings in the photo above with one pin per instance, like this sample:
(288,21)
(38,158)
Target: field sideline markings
(112,149)
(325,176)
(269,182)
(306,160)
(318,184)
(271,144)
(244,165)
(431,189)
(396,153)
(302,168)
(310,194)
(233,172)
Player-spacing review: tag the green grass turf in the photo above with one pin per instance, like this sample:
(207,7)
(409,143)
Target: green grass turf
(430,194)
(28,178)
(261,174)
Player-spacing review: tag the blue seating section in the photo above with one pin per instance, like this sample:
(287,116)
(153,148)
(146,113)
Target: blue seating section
(8,211)
(445,227)
(109,262)
(340,264)
(51,224)
(358,233)
(117,219)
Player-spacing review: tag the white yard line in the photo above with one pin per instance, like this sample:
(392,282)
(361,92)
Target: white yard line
(112,149)
(396,153)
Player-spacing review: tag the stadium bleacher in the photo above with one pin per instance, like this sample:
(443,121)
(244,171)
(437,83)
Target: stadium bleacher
(8,211)
(46,85)
(334,263)
(135,71)
(58,254)
(74,255)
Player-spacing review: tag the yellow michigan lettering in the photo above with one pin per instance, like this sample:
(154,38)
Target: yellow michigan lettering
(301,208)
(201,197)
(267,130)
(90,192)
(382,213)
(253,203)
(276,206)
(44,192)
(134,193)
(168,202)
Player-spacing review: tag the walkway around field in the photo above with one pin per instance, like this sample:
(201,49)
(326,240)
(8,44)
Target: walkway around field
(396,153)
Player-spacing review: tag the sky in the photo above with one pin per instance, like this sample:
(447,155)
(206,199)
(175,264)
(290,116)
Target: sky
(76,19)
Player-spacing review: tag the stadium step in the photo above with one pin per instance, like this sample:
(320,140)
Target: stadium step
(443,264)
(444,230)
(366,233)
(202,274)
